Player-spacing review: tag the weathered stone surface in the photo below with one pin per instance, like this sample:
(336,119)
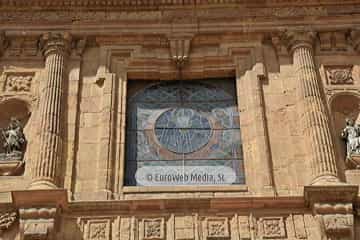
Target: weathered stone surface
(294,91)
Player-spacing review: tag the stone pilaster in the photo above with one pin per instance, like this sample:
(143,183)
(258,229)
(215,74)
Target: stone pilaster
(55,49)
(313,115)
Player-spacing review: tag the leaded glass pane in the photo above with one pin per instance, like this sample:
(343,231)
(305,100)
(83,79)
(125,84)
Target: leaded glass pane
(184,128)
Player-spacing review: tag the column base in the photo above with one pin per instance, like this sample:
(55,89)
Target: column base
(42,185)
(326,180)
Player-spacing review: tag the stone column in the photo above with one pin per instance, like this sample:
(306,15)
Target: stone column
(313,114)
(55,49)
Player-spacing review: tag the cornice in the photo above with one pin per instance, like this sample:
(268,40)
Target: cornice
(150,4)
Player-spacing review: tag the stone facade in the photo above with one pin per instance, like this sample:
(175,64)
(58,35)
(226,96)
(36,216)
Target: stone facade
(69,68)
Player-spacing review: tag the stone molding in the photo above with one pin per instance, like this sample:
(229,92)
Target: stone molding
(155,4)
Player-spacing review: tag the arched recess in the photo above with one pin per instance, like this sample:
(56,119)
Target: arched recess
(20,109)
(344,105)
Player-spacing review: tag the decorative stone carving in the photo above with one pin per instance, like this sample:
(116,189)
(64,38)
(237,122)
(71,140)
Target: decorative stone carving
(216,228)
(351,135)
(18,82)
(272,227)
(153,228)
(37,223)
(98,230)
(337,220)
(7,220)
(95,228)
(339,75)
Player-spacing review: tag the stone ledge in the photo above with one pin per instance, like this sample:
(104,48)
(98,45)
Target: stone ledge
(330,194)
(40,198)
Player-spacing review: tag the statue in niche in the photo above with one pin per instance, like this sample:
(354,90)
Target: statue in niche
(351,135)
(14,141)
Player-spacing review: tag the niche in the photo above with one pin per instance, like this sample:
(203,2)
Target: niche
(345,106)
(14,116)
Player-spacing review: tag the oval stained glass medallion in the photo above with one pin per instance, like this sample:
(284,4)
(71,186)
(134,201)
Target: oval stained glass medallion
(182,130)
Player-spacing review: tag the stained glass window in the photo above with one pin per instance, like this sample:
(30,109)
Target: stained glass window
(184,133)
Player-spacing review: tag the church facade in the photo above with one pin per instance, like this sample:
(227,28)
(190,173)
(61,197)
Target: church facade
(179,119)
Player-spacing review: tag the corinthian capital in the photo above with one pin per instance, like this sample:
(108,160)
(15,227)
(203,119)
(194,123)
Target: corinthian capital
(55,43)
(299,38)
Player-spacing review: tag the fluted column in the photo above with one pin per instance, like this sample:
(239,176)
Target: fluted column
(55,49)
(313,114)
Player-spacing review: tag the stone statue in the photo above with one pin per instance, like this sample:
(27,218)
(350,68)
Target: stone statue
(351,135)
(14,141)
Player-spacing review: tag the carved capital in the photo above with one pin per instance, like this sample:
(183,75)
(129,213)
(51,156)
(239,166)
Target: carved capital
(56,43)
(180,49)
(297,39)
(37,223)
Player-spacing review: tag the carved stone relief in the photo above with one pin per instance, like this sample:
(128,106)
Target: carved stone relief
(272,227)
(339,75)
(98,229)
(18,82)
(153,228)
(216,227)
